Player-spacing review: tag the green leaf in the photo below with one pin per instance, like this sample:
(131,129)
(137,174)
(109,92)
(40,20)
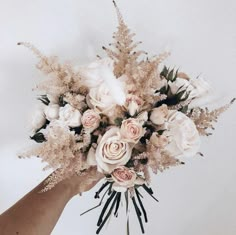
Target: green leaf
(160,132)
(163,90)
(170,76)
(164,72)
(184,109)
(44,99)
(180,95)
(186,96)
(176,75)
(38,137)
(118,121)
(62,102)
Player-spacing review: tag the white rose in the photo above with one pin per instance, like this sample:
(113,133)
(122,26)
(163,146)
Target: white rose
(100,73)
(112,151)
(70,116)
(52,111)
(131,130)
(183,135)
(38,119)
(90,119)
(159,115)
(101,98)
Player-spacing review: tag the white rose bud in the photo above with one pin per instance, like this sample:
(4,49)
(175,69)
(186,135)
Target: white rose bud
(90,120)
(70,116)
(159,115)
(38,119)
(101,98)
(133,104)
(52,111)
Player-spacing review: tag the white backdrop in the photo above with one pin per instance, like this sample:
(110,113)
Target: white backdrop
(198,198)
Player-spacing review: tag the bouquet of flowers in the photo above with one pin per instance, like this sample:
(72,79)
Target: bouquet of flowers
(126,113)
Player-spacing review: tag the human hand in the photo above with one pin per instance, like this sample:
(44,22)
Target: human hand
(84,182)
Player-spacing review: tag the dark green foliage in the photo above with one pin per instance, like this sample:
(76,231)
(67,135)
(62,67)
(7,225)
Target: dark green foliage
(169,74)
(160,132)
(118,121)
(117,204)
(62,102)
(139,214)
(141,205)
(184,109)
(101,189)
(174,99)
(102,222)
(77,130)
(38,137)
(43,127)
(44,99)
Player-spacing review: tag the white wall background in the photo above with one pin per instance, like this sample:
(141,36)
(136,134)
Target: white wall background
(198,198)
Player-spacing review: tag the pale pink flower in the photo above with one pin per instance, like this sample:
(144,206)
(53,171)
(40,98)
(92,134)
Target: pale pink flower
(123,177)
(112,151)
(131,130)
(90,119)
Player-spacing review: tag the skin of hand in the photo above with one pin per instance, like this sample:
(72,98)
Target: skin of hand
(37,213)
(84,182)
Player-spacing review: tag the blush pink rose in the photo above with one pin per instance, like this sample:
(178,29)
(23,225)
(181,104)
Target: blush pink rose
(90,119)
(131,130)
(112,151)
(124,176)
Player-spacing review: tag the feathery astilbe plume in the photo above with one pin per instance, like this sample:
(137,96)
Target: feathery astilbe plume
(204,118)
(159,160)
(123,52)
(62,78)
(76,166)
(75,100)
(60,151)
(138,72)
